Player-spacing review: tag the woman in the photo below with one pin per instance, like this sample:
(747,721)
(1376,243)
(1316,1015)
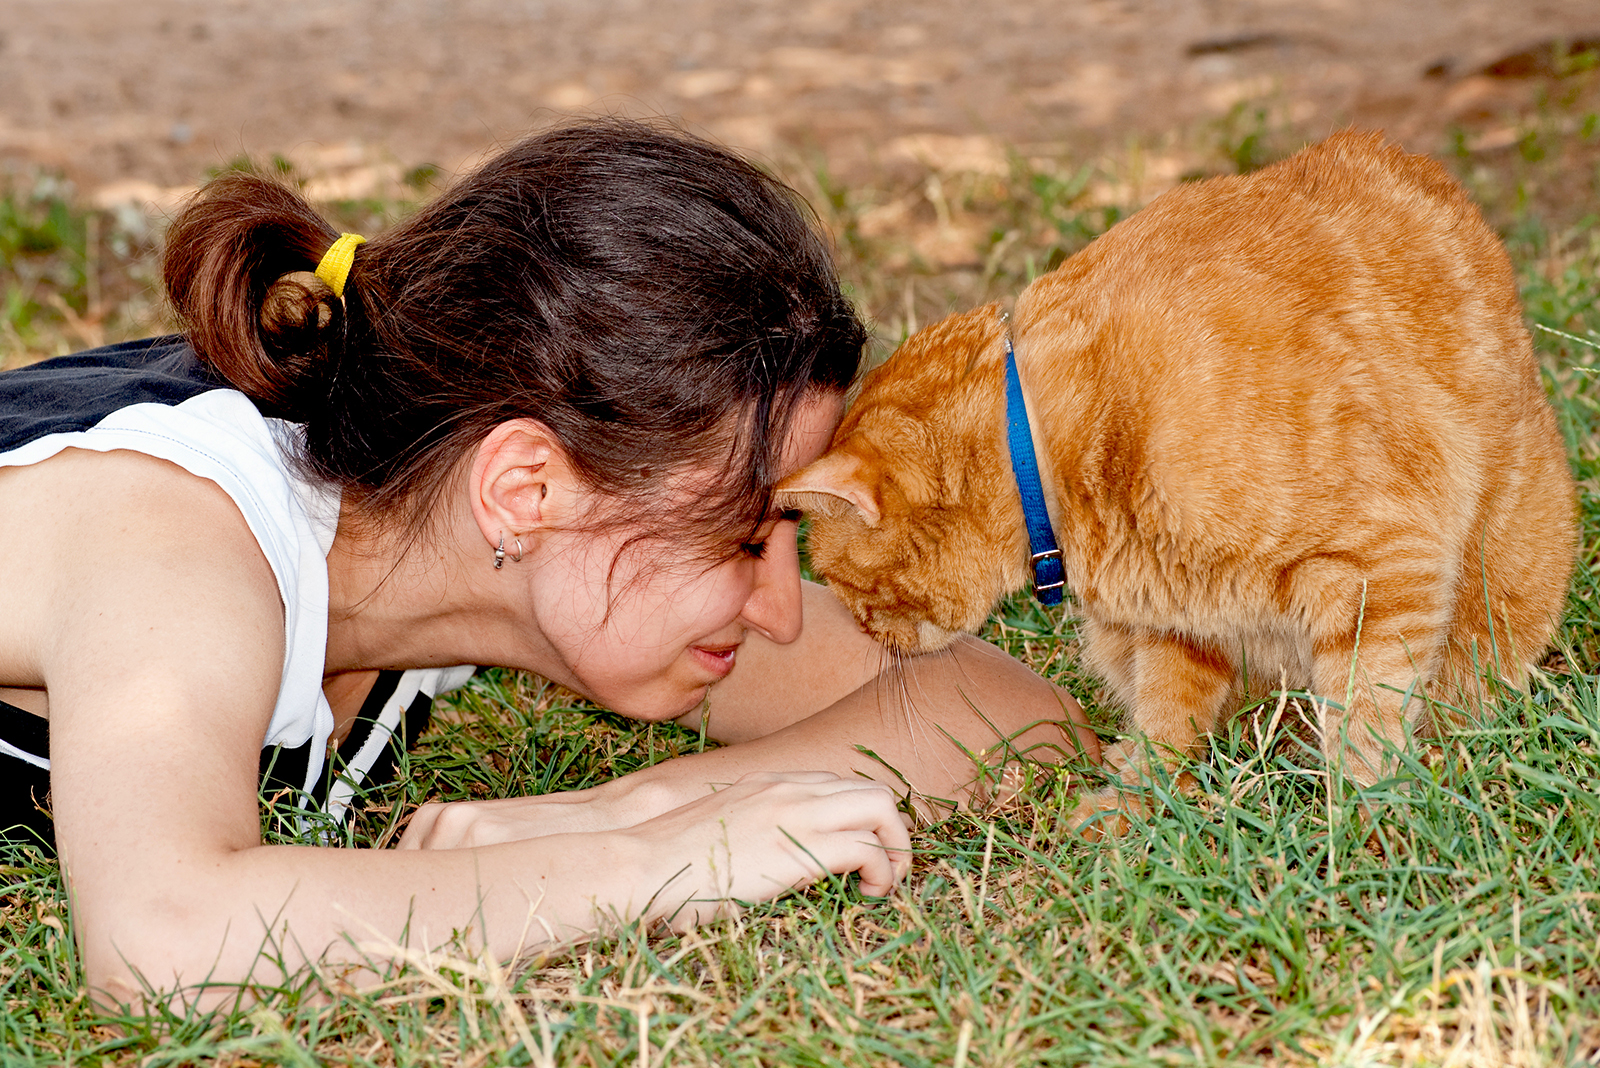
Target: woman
(536,425)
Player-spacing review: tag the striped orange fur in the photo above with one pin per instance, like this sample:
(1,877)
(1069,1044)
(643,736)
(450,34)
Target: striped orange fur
(1293,436)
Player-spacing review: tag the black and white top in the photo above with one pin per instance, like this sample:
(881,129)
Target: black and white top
(155,397)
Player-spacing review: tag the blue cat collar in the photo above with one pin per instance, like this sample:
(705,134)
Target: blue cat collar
(1049,575)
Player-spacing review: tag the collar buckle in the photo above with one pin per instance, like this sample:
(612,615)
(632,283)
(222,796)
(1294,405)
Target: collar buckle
(1049,573)
(1049,576)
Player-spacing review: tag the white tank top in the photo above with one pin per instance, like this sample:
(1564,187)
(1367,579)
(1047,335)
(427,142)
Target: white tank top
(219,435)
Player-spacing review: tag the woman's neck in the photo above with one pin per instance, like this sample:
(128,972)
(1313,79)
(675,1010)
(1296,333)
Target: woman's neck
(430,600)
(397,601)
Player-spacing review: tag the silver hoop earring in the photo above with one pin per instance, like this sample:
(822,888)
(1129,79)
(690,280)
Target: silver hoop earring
(500,553)
(517,559)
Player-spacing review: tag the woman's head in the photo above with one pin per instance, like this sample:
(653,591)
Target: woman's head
(634,620)
(659,304)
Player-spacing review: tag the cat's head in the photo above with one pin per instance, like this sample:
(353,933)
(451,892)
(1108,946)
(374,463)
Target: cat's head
(915,522)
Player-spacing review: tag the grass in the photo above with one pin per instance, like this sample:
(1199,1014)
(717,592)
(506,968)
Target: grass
(1257,921)
(70,278)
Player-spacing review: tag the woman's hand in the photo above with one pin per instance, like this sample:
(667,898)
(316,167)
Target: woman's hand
(768,833)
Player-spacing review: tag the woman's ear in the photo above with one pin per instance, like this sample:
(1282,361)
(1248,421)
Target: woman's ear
(521,481)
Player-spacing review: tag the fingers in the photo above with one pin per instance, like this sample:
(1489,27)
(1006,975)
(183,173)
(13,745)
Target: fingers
(891,862)
(755,839)
(870,809)
(832,825)
(448,825)
(464,824)
(874,825)
(769,833)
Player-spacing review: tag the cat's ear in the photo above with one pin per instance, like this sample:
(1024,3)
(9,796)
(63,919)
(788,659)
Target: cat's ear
(837,481)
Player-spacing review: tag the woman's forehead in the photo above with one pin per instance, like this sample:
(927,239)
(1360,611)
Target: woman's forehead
(811,430)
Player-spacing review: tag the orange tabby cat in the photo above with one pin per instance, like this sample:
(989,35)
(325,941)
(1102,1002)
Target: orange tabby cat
(1291,432)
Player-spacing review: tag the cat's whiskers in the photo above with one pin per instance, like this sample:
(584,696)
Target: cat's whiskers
(896,669)
(904,665)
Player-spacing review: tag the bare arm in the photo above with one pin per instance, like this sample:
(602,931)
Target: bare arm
(161,648)
(834,662)
(823,702)
(775,685)
(917,726)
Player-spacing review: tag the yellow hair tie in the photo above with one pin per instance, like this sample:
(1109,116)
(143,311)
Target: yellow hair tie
(335,265)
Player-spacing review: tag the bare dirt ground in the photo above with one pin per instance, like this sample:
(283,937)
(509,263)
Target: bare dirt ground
(903,122)
(129,99)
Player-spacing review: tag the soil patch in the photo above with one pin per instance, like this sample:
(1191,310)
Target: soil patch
(129,99)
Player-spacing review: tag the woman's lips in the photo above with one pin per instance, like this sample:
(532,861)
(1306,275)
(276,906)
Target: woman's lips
(717,659)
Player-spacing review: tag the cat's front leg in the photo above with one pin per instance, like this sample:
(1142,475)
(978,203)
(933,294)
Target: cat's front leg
(1179,685)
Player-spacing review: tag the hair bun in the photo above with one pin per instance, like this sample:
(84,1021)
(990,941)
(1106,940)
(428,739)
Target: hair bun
(299,314)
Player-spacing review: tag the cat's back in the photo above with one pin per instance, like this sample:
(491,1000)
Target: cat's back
(1346,302)
(1323,358)
(1352,235)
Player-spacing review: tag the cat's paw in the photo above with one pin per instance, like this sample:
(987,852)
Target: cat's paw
(1106,813)
(1110,812)
(1130,765)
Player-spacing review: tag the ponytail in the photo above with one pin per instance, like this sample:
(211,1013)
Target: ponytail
(238,271)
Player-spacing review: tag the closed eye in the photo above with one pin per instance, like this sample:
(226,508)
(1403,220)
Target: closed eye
(756,550)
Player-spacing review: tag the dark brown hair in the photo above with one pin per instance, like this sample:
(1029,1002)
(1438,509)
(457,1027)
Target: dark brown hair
(657,302)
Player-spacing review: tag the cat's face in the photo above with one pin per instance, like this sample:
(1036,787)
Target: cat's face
(913,521)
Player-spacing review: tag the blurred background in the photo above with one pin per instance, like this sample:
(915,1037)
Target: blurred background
(896,119)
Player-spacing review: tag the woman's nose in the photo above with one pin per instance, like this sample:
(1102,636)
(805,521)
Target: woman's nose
(773,607)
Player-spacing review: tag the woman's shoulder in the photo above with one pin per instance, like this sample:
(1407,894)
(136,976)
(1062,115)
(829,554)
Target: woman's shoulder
(150,438)
(84,499)
(155,397)
(88,536)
